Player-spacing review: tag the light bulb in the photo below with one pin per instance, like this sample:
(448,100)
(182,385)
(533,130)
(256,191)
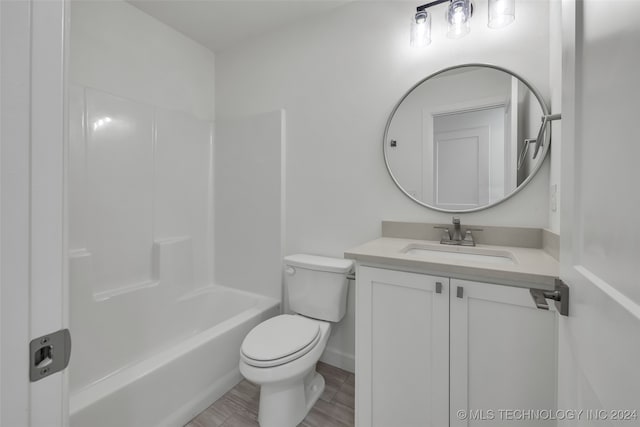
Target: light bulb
(421,29)
(458,16)
(501,13)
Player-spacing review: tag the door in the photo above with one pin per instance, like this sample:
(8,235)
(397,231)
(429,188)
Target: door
(599,344)
(503,355)
(33,293)
(468,157)
(461,168)
(402,349)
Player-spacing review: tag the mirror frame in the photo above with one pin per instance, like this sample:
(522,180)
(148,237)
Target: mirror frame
(545,148)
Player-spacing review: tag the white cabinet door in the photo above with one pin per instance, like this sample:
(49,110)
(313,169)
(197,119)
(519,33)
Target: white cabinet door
(503,355)
(402,349)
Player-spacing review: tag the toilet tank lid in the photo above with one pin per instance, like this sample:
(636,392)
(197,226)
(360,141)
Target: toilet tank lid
(320,263)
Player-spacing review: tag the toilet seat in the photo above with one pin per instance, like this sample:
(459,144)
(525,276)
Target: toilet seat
(280,340)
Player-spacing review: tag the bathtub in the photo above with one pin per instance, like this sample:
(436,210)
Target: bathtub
(166,366)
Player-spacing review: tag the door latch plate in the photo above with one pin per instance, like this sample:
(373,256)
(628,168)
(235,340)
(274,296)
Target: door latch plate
(49,354)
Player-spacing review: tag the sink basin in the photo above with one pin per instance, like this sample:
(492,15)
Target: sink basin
(443,253)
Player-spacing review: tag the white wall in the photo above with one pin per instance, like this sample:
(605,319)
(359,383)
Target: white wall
(249,200)
(123,51)
(338,76)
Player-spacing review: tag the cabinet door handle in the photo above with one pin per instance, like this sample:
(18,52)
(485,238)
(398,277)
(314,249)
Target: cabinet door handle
(459,291)
(438,287)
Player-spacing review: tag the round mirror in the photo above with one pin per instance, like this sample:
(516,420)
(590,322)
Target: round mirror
(466,138)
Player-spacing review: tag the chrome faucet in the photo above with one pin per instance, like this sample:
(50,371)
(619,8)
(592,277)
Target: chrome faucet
(457,238)
(457,231)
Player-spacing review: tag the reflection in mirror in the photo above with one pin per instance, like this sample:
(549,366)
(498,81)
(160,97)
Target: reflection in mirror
(464,139)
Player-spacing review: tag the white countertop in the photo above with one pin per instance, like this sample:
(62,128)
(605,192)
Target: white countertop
(532,267)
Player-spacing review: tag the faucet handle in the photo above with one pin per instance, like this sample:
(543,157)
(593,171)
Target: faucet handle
(455,220)
(468,239)
(446,235)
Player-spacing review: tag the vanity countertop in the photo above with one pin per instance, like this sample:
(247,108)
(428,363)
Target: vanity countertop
(532,267)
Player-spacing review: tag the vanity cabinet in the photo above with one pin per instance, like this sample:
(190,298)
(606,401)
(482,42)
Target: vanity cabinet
(402,349)
(503,353)
(428,347)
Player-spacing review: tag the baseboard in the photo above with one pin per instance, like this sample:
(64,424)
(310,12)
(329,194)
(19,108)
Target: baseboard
(339,359)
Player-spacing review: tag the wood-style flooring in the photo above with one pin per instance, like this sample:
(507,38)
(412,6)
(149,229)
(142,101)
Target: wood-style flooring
(239,406)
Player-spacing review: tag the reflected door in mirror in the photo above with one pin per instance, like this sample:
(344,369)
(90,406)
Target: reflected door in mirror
(465,176)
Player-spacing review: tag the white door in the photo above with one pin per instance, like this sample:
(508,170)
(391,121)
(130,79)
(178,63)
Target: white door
(402,349)
(503,355)
(468,157)
(33,294)
(599,343)
(461,168)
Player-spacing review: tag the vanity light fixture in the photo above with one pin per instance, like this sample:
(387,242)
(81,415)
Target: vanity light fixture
(458,16)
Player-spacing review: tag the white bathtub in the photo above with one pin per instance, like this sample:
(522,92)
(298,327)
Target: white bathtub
(167,366)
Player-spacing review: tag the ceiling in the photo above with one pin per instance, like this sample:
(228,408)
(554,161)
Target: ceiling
(219,24)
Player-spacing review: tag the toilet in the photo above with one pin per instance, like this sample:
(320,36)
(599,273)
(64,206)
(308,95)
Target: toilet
(281,353)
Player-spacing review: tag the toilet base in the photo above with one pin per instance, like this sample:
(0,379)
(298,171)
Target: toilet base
(286,405)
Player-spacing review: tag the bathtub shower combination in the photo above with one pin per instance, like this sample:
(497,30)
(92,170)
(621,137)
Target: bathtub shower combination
(154,341)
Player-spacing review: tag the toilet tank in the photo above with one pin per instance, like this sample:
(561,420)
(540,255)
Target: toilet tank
(317,286)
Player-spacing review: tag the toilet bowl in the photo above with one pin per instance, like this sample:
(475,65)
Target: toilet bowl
(281,353)
(289,383)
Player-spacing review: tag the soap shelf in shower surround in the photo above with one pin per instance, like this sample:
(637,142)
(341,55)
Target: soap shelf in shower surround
(172,266)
